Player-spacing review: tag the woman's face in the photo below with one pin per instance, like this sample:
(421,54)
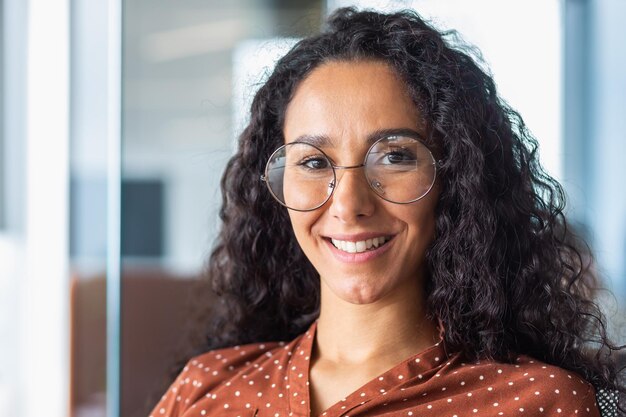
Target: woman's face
(345,103)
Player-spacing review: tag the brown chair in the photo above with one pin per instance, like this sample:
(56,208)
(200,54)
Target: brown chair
(154,333)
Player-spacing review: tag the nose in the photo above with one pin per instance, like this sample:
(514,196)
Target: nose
(352,197)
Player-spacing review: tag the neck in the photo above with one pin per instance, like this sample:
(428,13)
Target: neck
(386,331)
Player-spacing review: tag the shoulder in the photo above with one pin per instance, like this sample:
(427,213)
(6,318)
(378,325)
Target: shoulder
(208,370)
(220,363)
(530,385)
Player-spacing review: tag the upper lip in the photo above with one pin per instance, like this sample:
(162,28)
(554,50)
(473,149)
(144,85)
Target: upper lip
(357,237)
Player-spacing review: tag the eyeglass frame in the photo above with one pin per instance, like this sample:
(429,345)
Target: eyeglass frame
(333,184)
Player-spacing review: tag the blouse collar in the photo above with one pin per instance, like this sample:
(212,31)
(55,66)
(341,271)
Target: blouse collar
(421,366)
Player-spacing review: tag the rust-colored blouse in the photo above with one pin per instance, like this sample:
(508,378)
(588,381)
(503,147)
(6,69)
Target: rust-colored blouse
(271,380)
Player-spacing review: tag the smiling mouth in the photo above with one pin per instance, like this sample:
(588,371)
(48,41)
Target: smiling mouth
(361,245)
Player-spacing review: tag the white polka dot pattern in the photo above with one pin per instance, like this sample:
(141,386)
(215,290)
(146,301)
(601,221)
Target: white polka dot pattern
(271,380)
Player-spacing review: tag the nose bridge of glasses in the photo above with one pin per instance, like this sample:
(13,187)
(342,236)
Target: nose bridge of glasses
(339,176)
(339,168)
(346,167)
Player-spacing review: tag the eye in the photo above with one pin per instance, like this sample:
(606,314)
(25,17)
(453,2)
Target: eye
(398,156)
(314,163)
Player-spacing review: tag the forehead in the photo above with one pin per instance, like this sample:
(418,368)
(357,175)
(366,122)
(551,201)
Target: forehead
(348,101)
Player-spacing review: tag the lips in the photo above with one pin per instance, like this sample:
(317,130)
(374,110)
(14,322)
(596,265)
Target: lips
(359,246)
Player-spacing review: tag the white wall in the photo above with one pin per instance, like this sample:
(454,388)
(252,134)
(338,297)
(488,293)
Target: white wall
(33,248)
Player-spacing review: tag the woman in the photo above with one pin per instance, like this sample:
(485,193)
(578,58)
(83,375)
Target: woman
(403,252)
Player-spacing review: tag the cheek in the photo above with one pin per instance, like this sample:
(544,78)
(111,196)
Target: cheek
(298,195)
(302,224)
(421,224)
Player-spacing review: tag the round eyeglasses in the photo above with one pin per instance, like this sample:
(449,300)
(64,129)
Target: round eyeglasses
(399,169)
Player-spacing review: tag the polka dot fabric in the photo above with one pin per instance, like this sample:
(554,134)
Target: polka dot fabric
(271,380)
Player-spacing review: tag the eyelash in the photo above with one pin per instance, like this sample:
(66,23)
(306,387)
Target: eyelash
(305,161)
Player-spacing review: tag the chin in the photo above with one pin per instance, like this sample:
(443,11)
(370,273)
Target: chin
(355,291)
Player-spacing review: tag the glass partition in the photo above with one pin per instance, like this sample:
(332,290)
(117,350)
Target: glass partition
(93,207)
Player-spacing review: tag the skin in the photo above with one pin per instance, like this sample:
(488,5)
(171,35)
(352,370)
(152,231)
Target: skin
(372,313)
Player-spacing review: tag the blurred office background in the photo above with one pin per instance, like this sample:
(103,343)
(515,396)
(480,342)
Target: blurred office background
(117,118)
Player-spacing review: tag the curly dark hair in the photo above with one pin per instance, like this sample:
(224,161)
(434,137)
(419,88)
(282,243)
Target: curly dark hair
(506,274)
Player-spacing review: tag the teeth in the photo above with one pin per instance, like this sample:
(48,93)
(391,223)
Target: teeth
(360,246)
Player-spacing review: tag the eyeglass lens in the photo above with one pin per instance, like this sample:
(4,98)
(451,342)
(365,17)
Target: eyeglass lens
(399,169)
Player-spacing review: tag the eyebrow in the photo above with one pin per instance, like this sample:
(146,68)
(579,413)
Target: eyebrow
(323,141)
